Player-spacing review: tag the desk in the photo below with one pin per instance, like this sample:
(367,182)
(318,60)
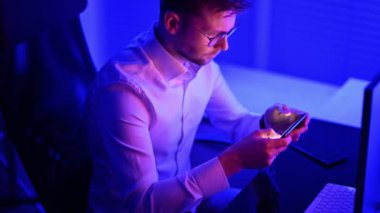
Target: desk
(299,178)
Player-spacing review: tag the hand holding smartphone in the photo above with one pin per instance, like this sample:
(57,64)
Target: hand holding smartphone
(293,126)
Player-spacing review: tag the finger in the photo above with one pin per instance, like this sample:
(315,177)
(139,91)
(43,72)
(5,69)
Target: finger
(271,131)
(266,133)
(295,135)
(259,133)
(287,140)
(280,142)
(299,131)
(272,159)
(303,127)
(281,149)
(306,121)
(276,152)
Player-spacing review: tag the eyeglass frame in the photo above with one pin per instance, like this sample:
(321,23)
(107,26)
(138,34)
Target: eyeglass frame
(214,40)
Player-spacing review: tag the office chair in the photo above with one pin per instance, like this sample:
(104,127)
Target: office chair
(45,73)
(17,193)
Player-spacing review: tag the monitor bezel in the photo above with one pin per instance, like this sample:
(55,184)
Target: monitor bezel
(364,140)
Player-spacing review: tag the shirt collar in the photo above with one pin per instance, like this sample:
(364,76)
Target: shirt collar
(174,69)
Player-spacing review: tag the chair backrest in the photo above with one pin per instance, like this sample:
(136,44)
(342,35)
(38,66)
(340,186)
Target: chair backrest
(22,19)
(45,73)
(17,193)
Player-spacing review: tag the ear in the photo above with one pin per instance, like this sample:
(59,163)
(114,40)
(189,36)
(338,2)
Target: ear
(172,22)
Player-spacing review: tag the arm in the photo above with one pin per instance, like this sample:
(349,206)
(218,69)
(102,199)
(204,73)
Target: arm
(226,113)
(256,151)
(124,163)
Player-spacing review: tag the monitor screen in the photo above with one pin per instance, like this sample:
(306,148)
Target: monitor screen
(368,190)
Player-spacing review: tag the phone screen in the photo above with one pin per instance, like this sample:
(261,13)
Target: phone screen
(293,126)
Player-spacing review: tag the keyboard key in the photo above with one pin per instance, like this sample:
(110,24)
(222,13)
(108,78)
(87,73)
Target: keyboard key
(333,198)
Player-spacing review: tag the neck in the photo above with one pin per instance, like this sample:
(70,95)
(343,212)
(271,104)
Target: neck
(166,40)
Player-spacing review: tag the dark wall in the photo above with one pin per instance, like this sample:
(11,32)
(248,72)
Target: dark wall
(22,19)
(45,74)
(323,40)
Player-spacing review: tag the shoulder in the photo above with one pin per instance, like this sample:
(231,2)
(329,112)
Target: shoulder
(121,75)
(124,67)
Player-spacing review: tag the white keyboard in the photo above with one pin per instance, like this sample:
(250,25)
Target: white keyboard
(333,198)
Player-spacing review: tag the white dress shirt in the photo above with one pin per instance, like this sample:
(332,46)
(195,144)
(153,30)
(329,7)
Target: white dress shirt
(145,108)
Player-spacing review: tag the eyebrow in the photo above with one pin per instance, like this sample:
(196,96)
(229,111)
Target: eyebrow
(216,33)
(231,13)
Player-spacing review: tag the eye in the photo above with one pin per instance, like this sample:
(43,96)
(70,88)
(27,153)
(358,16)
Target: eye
(219,35)
(213,35)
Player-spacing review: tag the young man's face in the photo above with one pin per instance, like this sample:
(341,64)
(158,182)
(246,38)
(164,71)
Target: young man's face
(193,43)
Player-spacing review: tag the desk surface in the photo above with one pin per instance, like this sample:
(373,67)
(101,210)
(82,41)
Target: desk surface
(299,178)
(339,104)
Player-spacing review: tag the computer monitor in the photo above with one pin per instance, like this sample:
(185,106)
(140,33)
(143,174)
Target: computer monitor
(368,185)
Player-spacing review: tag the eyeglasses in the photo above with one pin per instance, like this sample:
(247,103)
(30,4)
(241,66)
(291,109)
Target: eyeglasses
(217,38)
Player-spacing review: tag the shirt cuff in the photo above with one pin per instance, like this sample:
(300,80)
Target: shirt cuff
(210,177)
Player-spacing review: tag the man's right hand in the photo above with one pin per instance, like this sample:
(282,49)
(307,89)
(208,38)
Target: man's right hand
(257,150)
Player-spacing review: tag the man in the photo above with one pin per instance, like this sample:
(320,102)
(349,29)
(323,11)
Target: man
(147,103)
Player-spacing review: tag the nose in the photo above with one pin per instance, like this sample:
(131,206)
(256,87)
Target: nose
(223,44)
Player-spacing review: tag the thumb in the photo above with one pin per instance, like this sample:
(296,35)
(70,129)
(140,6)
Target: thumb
(267,133)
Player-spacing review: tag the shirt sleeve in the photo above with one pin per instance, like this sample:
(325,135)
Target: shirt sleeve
(125,177)
(226,113)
